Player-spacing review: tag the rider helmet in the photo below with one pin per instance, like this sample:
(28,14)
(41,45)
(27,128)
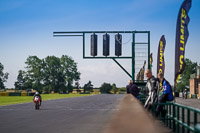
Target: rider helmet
(36,93)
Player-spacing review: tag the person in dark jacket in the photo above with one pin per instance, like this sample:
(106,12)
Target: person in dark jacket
(132,89)
(38,94)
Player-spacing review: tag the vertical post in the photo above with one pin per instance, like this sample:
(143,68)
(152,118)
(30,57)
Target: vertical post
(195,117)
(149,66)
(188,120)
(183,120)
(133,56)
(83,45)
(174,115)
(177,119)
(170,114)
(167,114)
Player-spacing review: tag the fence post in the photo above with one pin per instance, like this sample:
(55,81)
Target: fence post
(183,120)
(177,130)
(195,117)
(174,115)
(167,113)
(170,113)
(188,119)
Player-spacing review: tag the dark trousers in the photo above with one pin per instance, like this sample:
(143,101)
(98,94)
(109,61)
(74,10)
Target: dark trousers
(160,108)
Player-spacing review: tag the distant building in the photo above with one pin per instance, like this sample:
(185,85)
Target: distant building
(195,82)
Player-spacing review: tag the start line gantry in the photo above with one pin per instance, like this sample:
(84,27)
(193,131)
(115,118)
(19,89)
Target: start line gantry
(139,50)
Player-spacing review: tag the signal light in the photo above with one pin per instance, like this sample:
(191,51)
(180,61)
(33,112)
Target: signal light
(106,44)
(94,45)
(118,44)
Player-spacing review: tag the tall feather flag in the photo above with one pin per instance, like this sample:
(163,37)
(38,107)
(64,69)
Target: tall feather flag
(181,38)
(160,57)
(142,71)
(140,75)
(151,59)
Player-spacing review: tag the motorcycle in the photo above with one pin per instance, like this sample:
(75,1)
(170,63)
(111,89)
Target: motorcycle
(37,102)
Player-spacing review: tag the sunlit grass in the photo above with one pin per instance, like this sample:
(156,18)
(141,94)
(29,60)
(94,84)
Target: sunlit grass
(6,100)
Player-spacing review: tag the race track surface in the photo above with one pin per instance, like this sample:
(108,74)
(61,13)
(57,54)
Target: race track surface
(89,114)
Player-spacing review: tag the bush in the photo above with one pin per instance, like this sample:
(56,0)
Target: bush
(122,90)
(106,88)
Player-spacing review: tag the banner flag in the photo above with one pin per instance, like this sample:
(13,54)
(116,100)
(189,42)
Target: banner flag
(160,58)
(140,75)
(143,69)
(181,38)
(151,58)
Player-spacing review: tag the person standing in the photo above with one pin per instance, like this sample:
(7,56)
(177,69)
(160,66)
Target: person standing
(132,89)
(152,88)
(185,93)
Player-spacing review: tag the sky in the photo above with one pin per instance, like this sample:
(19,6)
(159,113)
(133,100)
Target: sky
(27,28)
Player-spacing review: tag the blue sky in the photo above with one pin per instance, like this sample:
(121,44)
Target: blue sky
(27,28)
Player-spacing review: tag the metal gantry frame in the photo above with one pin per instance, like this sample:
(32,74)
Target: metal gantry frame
(83,33)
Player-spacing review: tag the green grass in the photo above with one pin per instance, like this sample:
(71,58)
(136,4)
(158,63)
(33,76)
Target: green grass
(6,100)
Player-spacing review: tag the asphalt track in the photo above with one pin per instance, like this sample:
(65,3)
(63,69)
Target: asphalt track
(89,114)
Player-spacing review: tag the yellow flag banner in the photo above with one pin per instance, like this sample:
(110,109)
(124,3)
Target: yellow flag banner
(181,38)
(160,57)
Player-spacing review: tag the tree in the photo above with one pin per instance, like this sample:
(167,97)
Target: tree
(105,88)
(34,72)
(190,68)
(88,87)
(20,84)
(70,71)
(48,74)
(114,88)
(77,86)
(3,77)
(53,77)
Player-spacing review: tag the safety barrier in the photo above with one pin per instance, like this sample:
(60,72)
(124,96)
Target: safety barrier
(14,94)
(179,117)
(24,94)
(4,93)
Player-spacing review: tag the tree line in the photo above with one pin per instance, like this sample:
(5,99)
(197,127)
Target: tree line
(59,74)
(48,74)
(51,74)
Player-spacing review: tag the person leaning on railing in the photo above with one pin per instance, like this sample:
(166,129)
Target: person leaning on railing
(132,89)
(166,94)
(152,87)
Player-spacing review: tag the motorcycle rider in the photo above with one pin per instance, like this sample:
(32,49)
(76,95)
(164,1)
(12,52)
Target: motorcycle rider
(37,94)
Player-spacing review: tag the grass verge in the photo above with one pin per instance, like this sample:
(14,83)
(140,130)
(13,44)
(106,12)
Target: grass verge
(6,100)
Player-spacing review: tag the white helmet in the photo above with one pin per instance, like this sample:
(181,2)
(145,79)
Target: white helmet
(36,93)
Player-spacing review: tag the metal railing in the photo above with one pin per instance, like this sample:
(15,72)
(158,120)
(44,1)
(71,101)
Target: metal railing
(179,117)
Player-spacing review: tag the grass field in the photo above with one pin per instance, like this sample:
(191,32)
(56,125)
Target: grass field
(6,100)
